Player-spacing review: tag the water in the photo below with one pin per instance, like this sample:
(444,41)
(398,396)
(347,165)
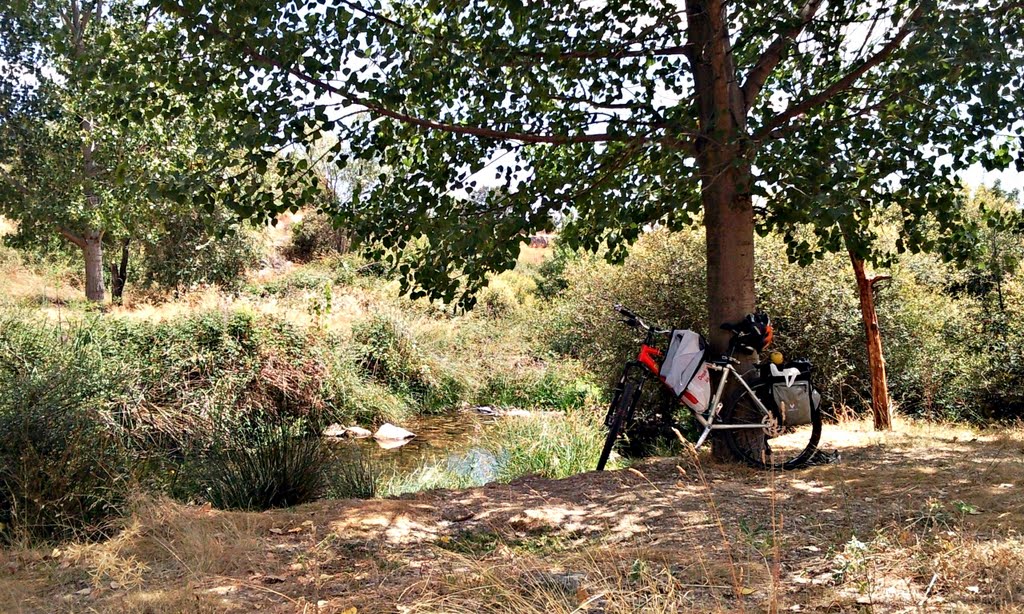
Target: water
(452,439)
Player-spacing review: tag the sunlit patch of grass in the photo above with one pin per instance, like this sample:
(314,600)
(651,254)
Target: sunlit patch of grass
(549,445)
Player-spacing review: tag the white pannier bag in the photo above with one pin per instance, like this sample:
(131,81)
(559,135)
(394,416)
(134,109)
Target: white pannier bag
(684,371)
(698,393)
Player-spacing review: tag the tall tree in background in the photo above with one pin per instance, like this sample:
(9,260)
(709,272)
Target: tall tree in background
(57,37)
(90,165)
(616,114)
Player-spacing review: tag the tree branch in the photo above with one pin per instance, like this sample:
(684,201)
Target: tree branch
(70,236)
(14,181)
(842,84)
(771,57)
(480,131)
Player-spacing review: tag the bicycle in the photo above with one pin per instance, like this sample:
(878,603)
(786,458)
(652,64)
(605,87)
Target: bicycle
(744,409)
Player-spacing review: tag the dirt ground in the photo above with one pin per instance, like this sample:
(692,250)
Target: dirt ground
(923,519)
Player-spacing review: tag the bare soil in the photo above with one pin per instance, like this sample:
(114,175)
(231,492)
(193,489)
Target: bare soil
(925,518)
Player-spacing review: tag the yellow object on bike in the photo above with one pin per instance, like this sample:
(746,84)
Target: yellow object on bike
(776,358)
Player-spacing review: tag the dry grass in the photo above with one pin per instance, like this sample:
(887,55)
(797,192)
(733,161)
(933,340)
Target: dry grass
(533,256)
(923,519)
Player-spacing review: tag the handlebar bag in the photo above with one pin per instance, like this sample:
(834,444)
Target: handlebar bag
(684,357)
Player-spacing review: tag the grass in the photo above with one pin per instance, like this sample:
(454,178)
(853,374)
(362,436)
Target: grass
(935,527)
(352,475)
(328,341)
(552,446)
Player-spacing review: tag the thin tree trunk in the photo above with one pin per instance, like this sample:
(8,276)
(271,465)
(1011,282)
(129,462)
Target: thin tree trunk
(119,274)
(93,252)
(880,404)
(77,18)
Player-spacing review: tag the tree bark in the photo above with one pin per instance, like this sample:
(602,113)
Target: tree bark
(93,252)
(726,180)
(119,274)
(729,223)
(880,405)
(725,171)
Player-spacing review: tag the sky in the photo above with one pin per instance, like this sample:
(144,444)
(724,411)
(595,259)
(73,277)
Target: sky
(977,176)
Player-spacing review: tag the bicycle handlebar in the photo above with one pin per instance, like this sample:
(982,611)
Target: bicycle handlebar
(635,321)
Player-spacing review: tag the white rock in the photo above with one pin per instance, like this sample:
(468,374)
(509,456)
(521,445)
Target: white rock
(391,444)
(335,430)
(358,432)
(390,432)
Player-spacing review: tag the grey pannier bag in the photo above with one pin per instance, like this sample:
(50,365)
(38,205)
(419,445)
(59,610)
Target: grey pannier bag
(684,357)
(794,394)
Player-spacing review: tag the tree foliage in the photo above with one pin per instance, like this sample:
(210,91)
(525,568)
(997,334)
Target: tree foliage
(604,113)
(81,158)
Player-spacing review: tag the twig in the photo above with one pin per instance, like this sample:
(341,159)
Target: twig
(927,591)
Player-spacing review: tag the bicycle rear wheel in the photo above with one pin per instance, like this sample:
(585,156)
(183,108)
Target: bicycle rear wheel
(791,448)
(616,419)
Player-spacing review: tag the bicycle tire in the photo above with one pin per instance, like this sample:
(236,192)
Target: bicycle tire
(619,411)
(791,450)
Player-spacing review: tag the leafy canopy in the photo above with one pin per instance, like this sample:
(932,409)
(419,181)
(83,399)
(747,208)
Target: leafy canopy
(589,112)
(78,153)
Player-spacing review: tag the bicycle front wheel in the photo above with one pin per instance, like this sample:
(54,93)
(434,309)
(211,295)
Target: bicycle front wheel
(617,416)
(790,448)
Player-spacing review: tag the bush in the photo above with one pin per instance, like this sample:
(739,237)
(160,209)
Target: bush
(935,364)
(194,248)
(496,301)
(389,353)
(63,469)
(263,465)
(316,236)
(353,398)
(551,274)
(313,278)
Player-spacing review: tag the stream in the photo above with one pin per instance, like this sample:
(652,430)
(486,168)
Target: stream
(453,439)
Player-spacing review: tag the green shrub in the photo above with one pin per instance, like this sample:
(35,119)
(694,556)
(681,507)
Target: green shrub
(316,236)
(389,353)
(552,273)
(263,465)
(935,364)
(192,248)
(496,301)
(63,469)
(354,398)
(553,446)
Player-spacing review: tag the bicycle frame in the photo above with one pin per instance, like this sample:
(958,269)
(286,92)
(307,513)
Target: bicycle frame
(716,403)
(647,361)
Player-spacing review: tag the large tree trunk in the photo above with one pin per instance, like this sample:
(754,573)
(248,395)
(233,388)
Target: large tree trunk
(729,222)
(725,174)
(725,171)
(93,252)
(880,404)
